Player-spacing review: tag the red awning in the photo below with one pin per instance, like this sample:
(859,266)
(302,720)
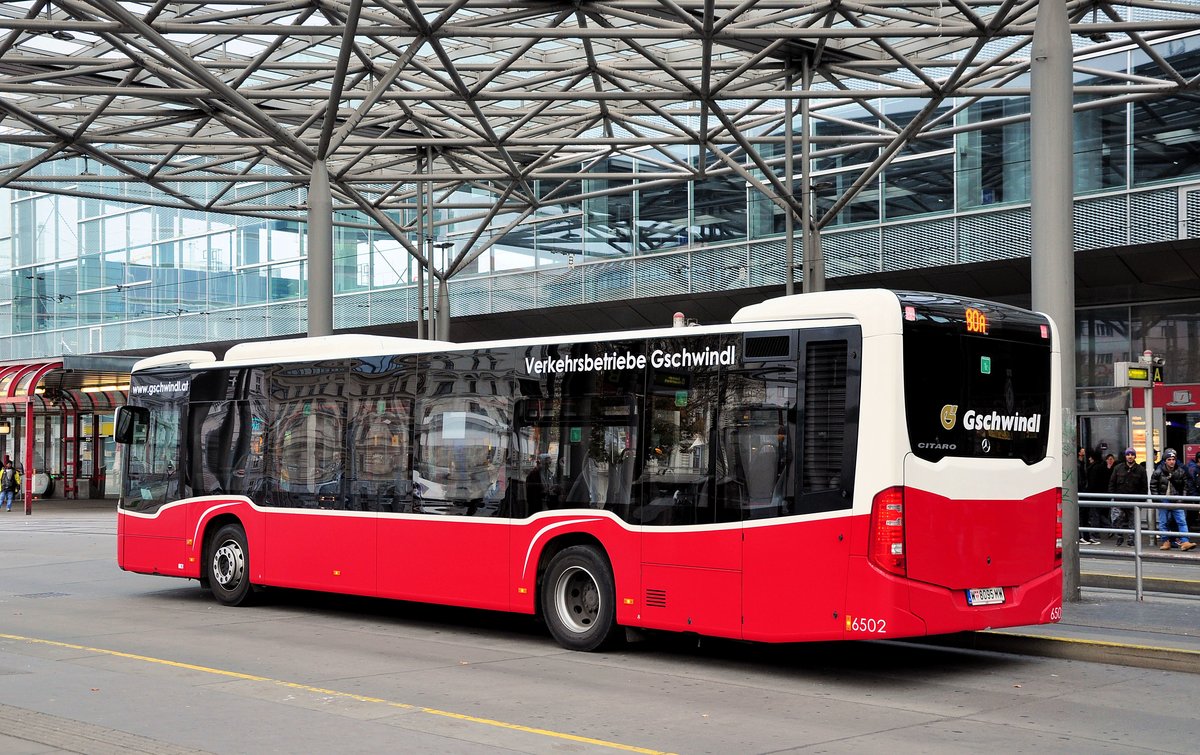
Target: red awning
(19,382)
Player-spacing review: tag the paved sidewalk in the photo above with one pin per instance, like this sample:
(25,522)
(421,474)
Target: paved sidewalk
(1111,626)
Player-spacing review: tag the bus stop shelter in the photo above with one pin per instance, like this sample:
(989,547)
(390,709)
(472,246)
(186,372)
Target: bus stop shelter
(54,422)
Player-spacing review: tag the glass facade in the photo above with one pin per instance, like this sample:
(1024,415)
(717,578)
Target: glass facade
(87,275)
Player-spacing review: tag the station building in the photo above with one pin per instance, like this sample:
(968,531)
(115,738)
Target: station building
(110,280)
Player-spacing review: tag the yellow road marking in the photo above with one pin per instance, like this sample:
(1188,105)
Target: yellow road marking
(336,693)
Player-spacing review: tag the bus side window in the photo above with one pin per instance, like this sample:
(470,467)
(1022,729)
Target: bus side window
(380,472)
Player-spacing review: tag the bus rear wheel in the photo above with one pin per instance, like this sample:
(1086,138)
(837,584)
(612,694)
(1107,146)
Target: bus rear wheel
(578,599)
(228,566)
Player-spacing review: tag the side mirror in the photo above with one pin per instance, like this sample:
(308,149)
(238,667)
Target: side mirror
(127,419)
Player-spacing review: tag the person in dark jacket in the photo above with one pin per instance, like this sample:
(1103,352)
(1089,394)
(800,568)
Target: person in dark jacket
(1129,478)
(1098,474)
(1170,479)
(1089,516)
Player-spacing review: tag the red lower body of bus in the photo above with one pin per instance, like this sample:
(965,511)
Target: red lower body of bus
(970,564)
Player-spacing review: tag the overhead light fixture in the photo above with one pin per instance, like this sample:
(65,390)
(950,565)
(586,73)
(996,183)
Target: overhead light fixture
(5,427)
(104,388)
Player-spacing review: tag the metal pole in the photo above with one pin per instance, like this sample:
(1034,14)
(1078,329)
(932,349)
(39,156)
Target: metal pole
(429,245)
(789,242)
(29,471)
(419,224)
(1052,248)
(814,263)
(1137,551)
(320,252)
(443,317)
(1148,407)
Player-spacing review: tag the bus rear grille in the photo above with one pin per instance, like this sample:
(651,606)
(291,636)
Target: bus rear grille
(656,598)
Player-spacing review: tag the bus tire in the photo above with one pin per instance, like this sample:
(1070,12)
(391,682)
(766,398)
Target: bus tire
(227,567)
(578,599)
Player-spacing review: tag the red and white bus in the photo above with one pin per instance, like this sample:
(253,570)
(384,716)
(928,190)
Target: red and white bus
(841,465)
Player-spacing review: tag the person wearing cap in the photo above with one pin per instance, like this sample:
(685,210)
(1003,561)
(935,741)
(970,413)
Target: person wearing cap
(1128,478)
(1170,479)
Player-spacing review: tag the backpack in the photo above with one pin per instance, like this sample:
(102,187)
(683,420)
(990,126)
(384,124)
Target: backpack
(9,480)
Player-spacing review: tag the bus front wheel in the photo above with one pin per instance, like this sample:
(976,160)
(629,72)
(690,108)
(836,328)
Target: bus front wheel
(578,599)
(228,572)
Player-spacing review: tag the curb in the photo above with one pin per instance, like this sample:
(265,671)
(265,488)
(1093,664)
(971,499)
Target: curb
(1149,584)
(1072,649)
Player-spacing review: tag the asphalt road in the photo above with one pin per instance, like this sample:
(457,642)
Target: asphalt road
(94,660)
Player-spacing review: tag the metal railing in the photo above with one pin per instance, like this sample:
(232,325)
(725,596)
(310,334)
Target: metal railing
(1145,525)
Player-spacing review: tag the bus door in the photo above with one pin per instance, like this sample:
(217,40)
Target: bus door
(151,532)
(691,540)
(315,536)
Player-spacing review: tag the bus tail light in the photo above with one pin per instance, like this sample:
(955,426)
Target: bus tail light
(886,549)
(1058,504)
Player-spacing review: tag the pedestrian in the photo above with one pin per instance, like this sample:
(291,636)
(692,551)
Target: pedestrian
(1087,512)
(1128,478)
(1192,470)
(1103,473)
(1171,480)
(10,483)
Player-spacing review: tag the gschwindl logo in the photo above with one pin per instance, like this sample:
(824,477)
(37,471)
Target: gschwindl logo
(974,420)
(949,414)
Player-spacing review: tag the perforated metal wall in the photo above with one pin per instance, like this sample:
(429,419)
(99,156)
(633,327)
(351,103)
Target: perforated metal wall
(1192,203)
(851,252)
(767,264)
(925,244)
(1101,222)
(1000,235)
(1153,216)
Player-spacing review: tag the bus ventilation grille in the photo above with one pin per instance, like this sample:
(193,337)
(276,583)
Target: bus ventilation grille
(760,348)
(656,598)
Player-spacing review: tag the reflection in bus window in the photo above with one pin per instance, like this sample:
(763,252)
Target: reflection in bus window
(152,478)
(461,455)
(306,463)
(380,473)
(674,483)
(756,431)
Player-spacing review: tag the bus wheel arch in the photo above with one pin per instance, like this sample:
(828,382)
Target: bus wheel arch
(226,562)
(577,593)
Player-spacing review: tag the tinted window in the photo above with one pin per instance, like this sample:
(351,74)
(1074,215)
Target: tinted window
(152,460)
(976,396)
(462,435)
(305,437)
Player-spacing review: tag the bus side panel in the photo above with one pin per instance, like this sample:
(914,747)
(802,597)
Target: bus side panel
(202,511)
(692,580)
(153,544)
(877,604)
(458,561)
(795,580)
(334,552)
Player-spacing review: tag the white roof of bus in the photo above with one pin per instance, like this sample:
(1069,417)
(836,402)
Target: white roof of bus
(876,310)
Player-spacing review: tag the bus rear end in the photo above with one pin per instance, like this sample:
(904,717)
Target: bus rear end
(971,538)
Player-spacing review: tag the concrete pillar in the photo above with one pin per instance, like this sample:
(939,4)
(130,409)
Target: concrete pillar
(1052,248)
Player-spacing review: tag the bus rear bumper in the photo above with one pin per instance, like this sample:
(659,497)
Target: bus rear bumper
(945,610)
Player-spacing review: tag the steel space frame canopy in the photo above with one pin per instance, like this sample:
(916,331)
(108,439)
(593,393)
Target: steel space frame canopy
(225,107)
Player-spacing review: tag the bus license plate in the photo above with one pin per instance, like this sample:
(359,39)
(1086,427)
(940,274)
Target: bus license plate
(985,596)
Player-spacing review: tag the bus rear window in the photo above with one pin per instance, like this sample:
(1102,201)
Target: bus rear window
(976,396)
